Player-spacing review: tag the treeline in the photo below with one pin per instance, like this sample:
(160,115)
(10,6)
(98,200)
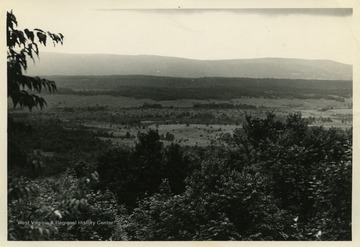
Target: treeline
(224,106)
(218,92)
(274,180)
(206,106)
(172,88)
(114,81)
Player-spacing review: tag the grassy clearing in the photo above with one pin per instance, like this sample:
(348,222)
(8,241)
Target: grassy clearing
(194,134)
(110,119)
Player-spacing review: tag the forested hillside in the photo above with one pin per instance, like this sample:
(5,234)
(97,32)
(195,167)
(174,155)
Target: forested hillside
(172,88)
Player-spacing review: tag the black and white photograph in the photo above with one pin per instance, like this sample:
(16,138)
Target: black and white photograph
(179,121)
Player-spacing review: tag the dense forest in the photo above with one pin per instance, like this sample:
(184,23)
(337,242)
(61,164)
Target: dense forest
(172,88)
(272,180)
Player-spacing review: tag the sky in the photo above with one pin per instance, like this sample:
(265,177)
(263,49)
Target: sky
(196,32)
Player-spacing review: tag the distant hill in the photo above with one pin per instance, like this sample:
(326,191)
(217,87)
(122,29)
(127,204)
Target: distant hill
(173,88)
(96,64)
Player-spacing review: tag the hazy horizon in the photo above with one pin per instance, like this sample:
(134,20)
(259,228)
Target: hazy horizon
(186,58)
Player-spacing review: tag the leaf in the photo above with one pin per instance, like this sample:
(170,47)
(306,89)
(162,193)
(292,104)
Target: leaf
(10,19)
(42,38)
(58,214)
(29,52)
(37,29)
(35,49)
(29,34)
(21,37)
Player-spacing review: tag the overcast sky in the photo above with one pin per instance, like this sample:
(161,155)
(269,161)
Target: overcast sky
(201,33)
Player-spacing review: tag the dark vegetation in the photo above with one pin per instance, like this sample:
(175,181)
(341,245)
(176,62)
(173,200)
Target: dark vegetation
(47,147)
(172,88)
(224,106)
(22,46)
(271,179)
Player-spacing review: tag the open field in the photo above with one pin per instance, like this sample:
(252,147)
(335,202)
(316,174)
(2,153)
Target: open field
(192,135)
(192,122)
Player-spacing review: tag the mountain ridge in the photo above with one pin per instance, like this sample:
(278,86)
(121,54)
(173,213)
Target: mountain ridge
(111,64)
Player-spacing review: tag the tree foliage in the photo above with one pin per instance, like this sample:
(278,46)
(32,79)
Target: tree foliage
(132,173)
(23,45)
(276,179)
(38,213)
(292,182)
